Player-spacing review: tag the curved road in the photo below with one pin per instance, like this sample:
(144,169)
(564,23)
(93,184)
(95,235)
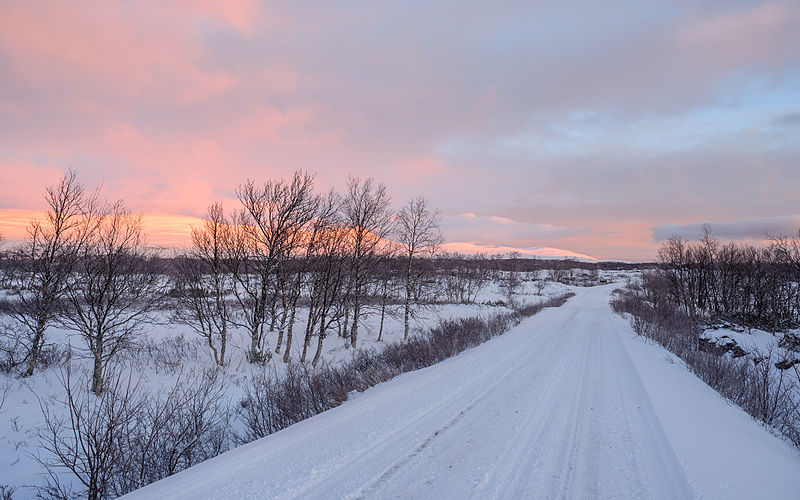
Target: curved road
(552,409)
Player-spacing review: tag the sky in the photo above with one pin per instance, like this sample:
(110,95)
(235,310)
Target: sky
(601,127)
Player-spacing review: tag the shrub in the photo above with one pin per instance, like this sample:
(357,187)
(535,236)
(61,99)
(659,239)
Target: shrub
(769,394)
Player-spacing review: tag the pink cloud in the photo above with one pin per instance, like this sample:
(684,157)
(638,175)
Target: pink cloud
(761,34)
(419,168)
(240,14)
(23,183)
(173,104)
(103,50)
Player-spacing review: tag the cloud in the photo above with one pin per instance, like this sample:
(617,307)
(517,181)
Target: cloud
(590,119)
(502,231)
(760,35)
(787,120)
(751,228)
(23,183)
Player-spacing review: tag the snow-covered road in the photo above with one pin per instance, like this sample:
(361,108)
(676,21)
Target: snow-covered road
(556,408)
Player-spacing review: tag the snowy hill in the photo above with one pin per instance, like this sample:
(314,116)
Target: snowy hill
(469,248)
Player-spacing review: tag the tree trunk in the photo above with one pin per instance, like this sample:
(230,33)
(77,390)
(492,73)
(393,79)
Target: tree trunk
(306,343)
(320,339)
(93,493)
(383,315)
(407,311)
(255,352)
(310,324)
(97,372)
(283,326)
(356,313)
(213,348)
(36,347)
(289,331)
(346,326)
(408,296)
(223,342)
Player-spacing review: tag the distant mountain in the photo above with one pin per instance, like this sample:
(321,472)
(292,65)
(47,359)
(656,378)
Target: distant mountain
(536,252)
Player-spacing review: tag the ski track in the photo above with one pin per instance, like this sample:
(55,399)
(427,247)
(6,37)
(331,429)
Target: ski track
(553,409)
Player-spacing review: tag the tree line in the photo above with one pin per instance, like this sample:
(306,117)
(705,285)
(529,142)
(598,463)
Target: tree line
(87,267)
(751,285)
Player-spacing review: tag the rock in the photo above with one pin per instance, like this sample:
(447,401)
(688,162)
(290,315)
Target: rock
(707,345)
(737,351)
(721,346)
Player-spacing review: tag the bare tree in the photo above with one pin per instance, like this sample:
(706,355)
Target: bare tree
(511,282)
(673,257)
(754,286)
(84,440)
(386,287)
(707,273)
(418,235)
(112,288)
(45,260)
(789,250)
(183,426)
(201,304)
(324,210)
(368,219)
(327,276)
(540,283)
(125,438)
(264,233)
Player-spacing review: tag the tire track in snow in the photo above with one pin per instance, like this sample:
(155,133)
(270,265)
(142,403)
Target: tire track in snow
(449,410)
(520,360)
(588,431)
(469,368)
(552,409)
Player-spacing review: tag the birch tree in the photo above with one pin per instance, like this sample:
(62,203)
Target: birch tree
(368,219)
(418,235)
(113,287)
(327,276)
(264,232)
(45,260)
(202,303)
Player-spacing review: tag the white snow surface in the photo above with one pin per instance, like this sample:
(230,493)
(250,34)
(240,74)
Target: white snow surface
(569,404)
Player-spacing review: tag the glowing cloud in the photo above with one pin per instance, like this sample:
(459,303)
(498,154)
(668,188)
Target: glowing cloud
(541,126)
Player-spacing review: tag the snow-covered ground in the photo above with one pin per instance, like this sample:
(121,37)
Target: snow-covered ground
(751,341)
(20,413)
(569,404)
